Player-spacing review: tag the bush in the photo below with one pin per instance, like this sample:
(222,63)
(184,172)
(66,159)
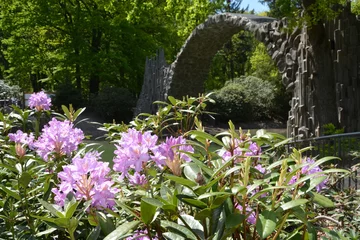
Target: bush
(244,99)
(113,103)
(67,94)
(191,186)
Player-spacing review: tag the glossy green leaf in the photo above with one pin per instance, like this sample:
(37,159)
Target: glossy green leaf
(234,220)
(152,201)
(52,208)
(204,213)
(179,180)
(194,202)
(213,194)
(293,203)
(321,200)
(10,192)
(178,229)
(204,135)
(266,223)
(122,230)
(106,223)
(94,234)
(147,212)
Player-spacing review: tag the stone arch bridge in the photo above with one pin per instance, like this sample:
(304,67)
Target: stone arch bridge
(320,94)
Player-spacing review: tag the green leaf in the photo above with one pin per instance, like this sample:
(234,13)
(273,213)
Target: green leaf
(234,220)
(204,135)
(191,171)
(153,202)
(94,234)
(315,181)
(106,223)
(266,223)
(204,213)
(66,111)
(52,209)
(321,200)
(194,202)
(182,181)
(122,230)
(212,194)
(194,224)
(172,100)
(177,229)
(147,212)
(10,192)
(171,236)
(293,203)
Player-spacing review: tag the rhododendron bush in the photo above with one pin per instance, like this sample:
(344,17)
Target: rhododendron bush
(169,179)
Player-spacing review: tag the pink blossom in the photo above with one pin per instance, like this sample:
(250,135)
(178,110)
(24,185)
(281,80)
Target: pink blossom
(172,148)
(58,137)
(133,151)
(305,171)
(251,216)
(137,179)
(254,150)
(87,178)
(22,138)
(39,101)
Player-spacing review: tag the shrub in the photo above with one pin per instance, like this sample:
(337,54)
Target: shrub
(113,103)
(67,94)
(174,188)
(244,99)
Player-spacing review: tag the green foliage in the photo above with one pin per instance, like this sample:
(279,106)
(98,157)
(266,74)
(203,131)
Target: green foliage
(235,192)
(231,61)
(67,94)
(330,129)
(263,67)
(114,104)
(8,91)
(244,99)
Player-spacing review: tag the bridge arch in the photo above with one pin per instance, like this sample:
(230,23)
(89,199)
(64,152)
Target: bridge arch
(322,75)
(193,62)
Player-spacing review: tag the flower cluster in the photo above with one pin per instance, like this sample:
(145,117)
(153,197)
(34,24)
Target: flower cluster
(133,151)
(20,140)
(306,171)
(136,149)
(39,101)
(251,218)
(87,179)
(172,152)
(254,150)
(58,137)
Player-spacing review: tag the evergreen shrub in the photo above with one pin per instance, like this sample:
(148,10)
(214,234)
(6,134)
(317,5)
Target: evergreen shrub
(114,103)
(244,99)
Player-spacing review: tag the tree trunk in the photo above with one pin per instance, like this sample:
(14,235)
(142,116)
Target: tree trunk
(94,81)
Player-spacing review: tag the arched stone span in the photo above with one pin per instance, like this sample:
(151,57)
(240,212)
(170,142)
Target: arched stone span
(320,66)
(193,62)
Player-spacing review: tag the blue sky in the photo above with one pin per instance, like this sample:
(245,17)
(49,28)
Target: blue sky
(254,4)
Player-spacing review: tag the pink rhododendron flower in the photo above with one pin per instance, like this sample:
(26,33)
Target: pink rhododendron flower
(133,151)
(305,171)
(169,151)
(254,150)
(22,138)
(138,179)
(39,101)
(58,137)
(141,235)
(87,178)
(249,212)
